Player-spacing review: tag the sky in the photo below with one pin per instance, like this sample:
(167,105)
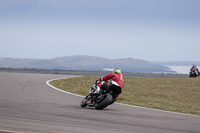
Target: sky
(153,30)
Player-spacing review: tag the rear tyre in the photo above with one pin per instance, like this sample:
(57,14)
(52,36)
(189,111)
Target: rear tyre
(106,101)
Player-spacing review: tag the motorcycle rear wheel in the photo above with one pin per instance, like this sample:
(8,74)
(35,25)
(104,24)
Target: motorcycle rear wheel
(106,101)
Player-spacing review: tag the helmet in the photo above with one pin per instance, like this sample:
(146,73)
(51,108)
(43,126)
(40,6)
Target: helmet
(194,65)
(117,70)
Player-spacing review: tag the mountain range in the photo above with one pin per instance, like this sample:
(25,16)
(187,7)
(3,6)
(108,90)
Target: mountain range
(84,63)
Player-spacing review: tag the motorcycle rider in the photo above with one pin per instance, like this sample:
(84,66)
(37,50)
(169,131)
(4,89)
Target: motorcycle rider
(116,83)
(195,70)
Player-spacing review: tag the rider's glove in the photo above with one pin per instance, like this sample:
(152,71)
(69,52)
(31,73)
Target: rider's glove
(97,81)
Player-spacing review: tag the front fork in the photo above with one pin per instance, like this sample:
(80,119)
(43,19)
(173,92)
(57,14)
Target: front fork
(91,99)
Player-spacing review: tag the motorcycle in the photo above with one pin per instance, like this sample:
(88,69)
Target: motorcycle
(193,74)
(98,100)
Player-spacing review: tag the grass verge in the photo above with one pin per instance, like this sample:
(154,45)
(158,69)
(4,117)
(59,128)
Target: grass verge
(172,94)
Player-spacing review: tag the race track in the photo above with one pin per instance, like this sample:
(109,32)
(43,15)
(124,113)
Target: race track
(29,105)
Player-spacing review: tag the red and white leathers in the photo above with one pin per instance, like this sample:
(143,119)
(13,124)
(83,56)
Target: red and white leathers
(116,79)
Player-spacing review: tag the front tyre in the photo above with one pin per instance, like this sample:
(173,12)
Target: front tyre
(106,101)
(83,103)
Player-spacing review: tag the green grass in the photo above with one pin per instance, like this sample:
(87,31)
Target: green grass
(171,94)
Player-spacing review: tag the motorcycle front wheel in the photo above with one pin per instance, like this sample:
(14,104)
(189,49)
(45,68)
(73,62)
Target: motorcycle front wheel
(83,103)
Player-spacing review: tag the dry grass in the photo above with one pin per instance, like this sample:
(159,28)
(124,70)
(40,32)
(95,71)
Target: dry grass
(172,94)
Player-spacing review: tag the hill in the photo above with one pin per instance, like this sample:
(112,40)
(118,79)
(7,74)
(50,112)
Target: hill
(84,63)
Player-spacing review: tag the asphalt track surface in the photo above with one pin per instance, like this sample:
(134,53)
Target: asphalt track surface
(29,105)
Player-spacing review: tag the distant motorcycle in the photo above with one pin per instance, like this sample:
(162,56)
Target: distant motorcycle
(193,73)
(98,100)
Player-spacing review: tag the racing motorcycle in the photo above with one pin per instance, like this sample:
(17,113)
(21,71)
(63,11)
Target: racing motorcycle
(193,73)
(98,100)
